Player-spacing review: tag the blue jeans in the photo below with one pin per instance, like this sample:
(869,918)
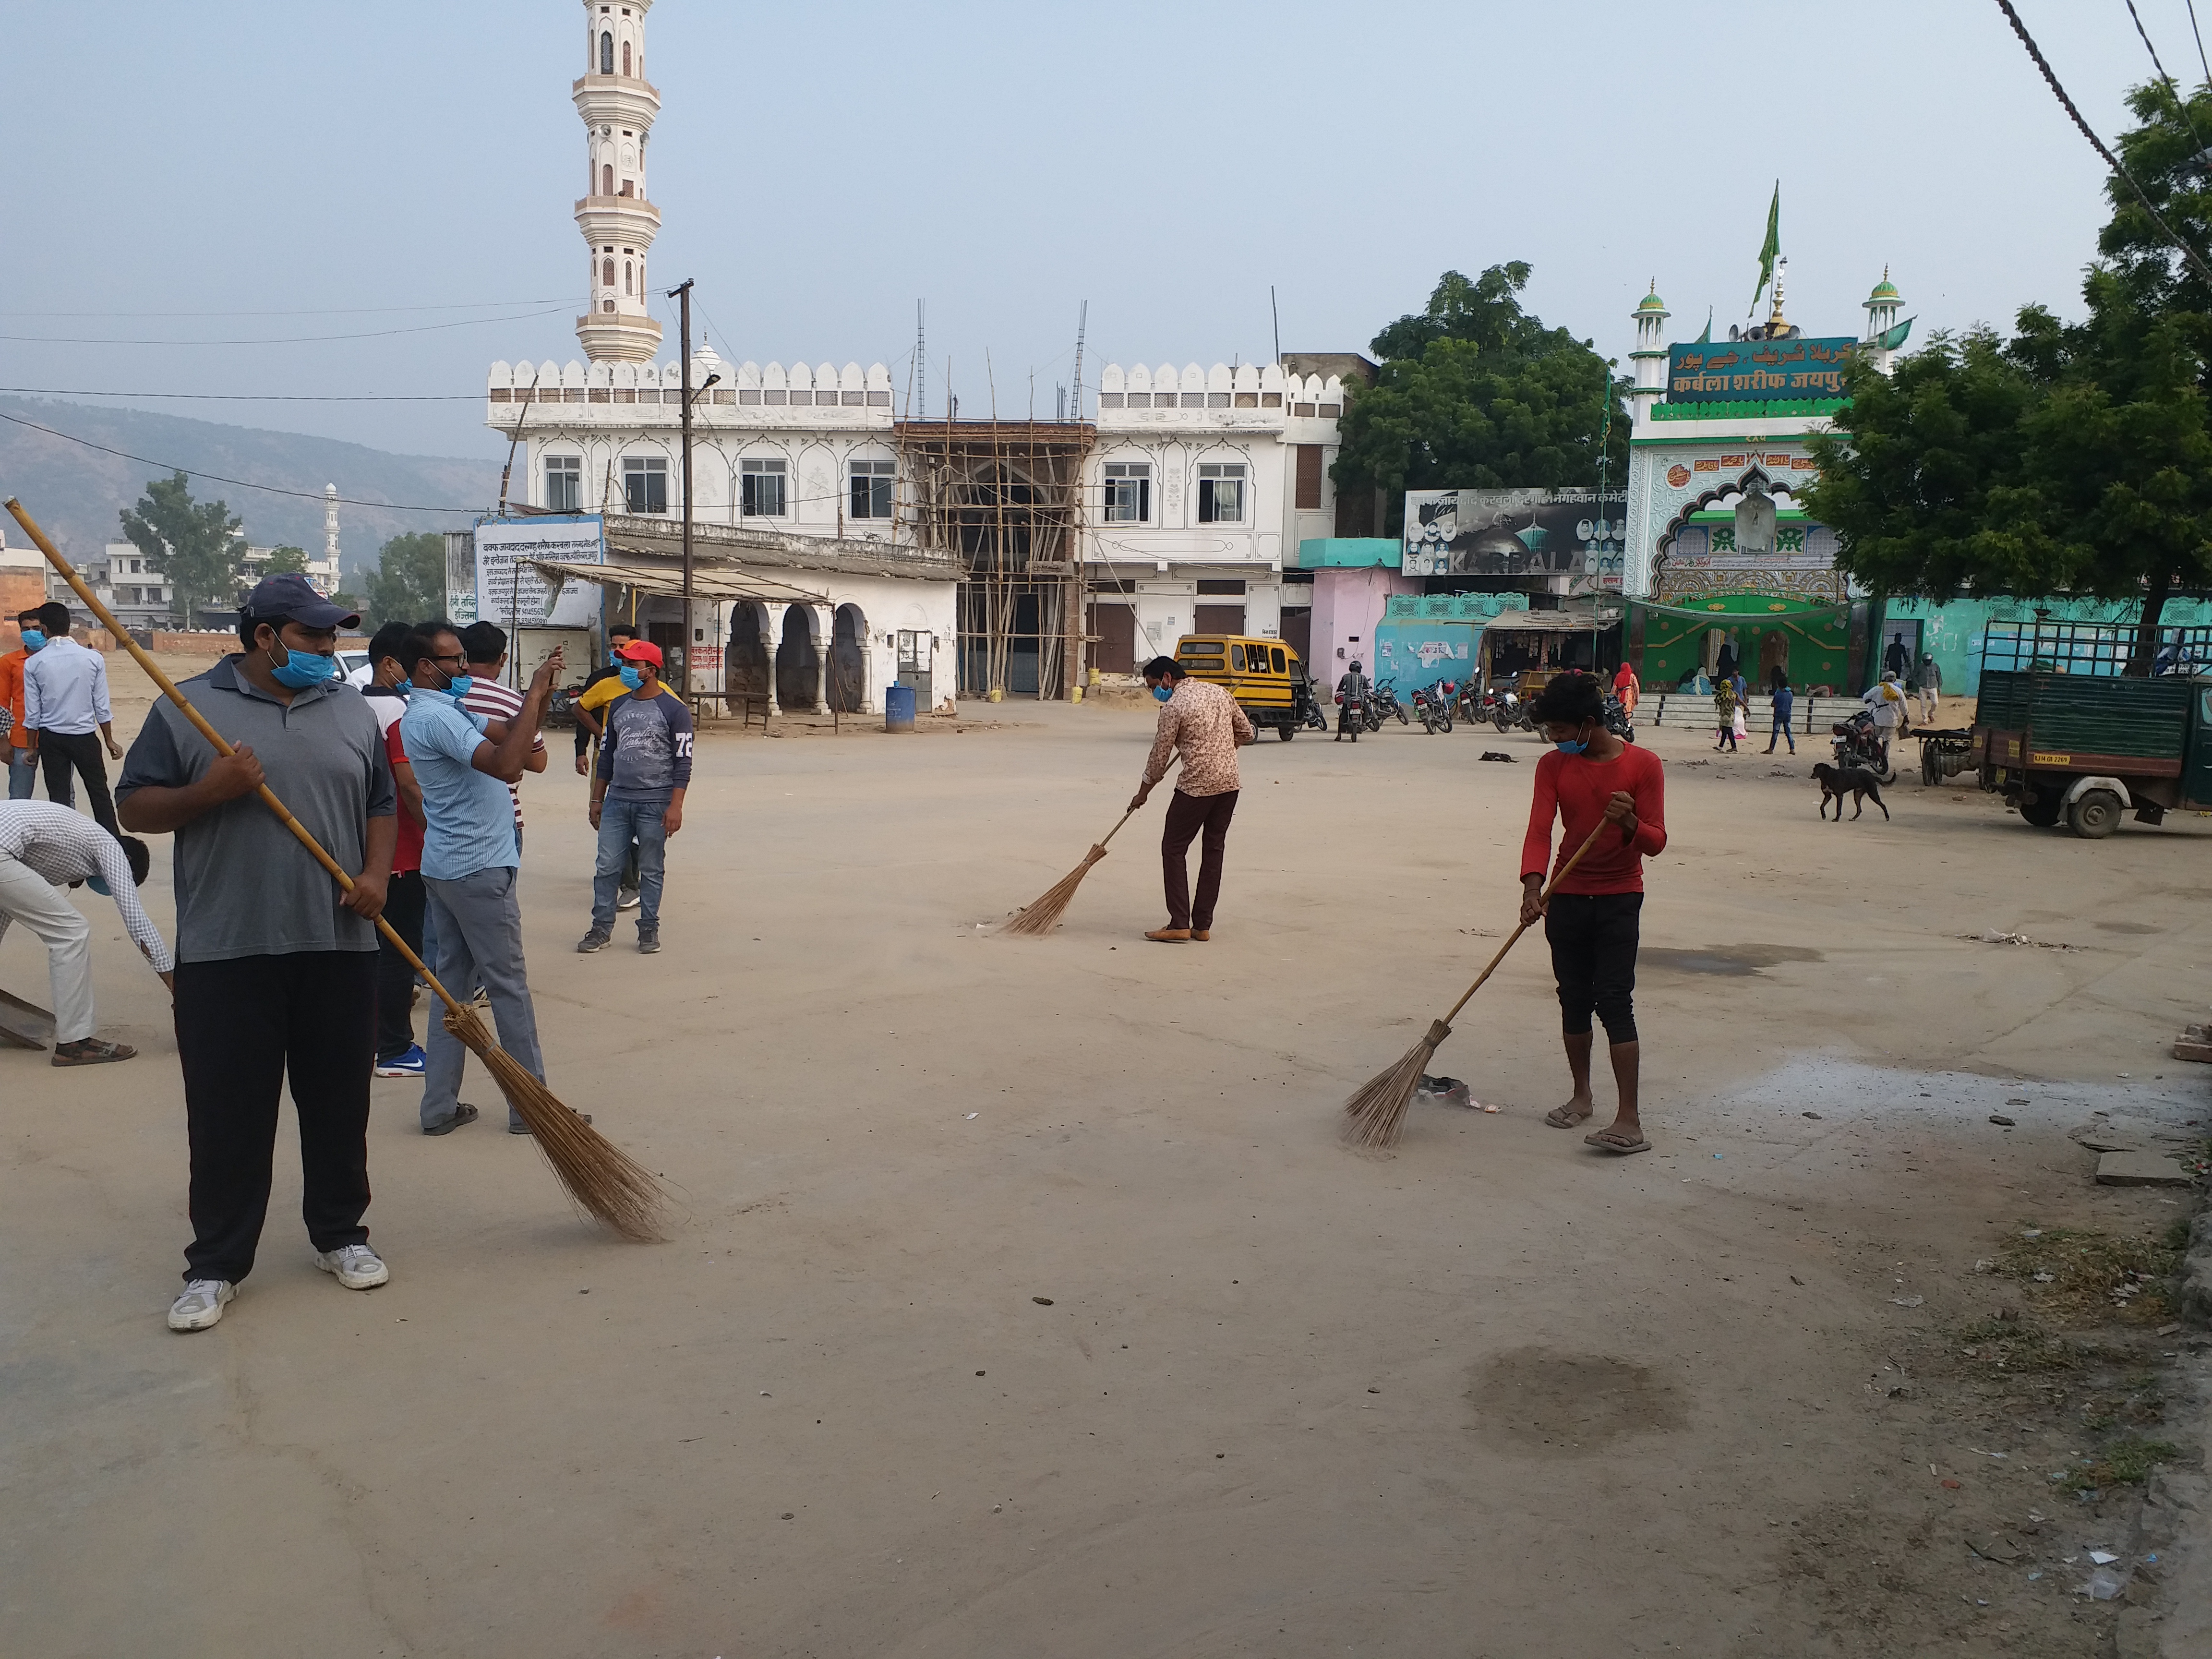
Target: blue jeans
(479,943)
(1782,730)
(621,821)
(21,773)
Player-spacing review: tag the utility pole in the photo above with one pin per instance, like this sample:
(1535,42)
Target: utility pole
(681,294)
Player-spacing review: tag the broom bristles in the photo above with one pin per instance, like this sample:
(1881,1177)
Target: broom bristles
(603,1181)
(1376,1109)
(1043,915)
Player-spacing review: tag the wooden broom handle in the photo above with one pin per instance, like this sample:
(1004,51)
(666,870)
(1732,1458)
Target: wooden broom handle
(1565,870)
(168,689)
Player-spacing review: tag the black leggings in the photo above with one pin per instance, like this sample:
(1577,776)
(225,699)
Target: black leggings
(1593,937)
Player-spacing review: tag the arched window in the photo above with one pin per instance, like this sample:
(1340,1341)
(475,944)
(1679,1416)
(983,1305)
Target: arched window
(625,58)
(625,275)
(606,54)
(607,273)
(607,180)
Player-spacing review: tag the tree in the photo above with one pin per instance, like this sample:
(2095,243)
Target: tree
(194,543)
(2074,459)
(286,562)
(1474,391)
(409,582)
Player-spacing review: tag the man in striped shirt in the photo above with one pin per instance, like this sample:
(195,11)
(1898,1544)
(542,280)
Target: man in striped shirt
(44,847)
(486,644)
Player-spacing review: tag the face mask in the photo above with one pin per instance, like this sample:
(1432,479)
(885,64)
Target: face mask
(615,656)
(1575,746)
(302,669)
(631,677)
(33,638)
(459,686)
(403,687)
(1162,693)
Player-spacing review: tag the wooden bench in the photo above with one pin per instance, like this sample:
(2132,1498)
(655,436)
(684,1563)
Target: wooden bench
(744,703)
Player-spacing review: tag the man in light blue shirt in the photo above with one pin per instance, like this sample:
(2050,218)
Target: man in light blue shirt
(64,698)
(463,763)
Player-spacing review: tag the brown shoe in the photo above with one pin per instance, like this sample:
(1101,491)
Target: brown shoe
(1201,934)
(1169,936)
(91,1051)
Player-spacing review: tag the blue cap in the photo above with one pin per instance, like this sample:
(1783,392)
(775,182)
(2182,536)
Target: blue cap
(290,596)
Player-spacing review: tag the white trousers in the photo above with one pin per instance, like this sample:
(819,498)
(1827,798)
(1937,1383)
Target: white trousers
(26,897)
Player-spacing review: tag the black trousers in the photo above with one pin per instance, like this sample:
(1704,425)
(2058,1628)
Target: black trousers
(1593,937)
(403,903)
(243,1026)
(60,750)
(1187,816)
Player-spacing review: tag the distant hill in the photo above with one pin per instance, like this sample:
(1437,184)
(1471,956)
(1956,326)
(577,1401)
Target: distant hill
(76,493)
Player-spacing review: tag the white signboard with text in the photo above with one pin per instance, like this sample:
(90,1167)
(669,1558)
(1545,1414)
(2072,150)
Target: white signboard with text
(515,593)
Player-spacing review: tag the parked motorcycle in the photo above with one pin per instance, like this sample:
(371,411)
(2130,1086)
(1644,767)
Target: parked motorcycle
(1618,721)
(1386,704)
(1434,705)
(1510,712)
(1858,745)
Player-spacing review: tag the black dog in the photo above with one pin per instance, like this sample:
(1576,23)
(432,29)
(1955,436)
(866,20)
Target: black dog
(1853,780)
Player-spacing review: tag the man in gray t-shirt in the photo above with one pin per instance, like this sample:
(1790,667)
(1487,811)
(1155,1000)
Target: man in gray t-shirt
(276,967)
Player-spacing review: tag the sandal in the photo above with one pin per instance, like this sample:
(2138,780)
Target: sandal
(1611,1140)
(1560,1118)
(90,1051)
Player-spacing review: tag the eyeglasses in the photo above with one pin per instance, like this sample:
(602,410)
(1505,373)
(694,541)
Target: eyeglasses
(458,656)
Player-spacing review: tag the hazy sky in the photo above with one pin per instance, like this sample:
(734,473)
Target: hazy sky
(819,167)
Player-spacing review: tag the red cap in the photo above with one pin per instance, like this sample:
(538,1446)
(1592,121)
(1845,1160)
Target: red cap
(641,651)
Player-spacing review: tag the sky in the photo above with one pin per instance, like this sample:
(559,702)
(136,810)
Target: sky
(201,189)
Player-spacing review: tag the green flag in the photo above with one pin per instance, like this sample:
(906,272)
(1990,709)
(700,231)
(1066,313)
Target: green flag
(1892,339)
(1706,339)
(1770,247)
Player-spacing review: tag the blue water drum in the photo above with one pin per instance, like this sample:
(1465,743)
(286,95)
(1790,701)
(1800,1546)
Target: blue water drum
(898,708)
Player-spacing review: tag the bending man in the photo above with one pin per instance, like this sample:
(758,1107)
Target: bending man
(44,847)
(1205,723)
(1592,781)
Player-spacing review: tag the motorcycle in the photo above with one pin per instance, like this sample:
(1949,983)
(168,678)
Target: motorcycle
(1510,712)
(1386,704)
(1434,705)
(1858,746)
(1618,721)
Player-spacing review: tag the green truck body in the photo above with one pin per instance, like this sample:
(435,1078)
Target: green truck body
(2089,747)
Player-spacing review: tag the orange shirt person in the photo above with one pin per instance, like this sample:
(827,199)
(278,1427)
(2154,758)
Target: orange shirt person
(22,760)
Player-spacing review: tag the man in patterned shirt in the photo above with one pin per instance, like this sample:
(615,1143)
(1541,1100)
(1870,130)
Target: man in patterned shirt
(637,794)
(43,846)
(1205,723)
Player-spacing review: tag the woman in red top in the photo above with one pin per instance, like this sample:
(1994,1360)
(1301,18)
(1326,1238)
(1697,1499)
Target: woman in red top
(1591,777)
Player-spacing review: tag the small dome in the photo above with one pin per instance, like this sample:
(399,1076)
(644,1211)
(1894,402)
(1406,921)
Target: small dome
(1651,301)
(1883,290)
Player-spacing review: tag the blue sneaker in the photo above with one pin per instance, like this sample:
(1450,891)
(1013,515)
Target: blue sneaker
(411,1064)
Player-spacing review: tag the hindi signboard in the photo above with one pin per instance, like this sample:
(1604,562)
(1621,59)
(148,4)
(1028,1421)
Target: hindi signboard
(515,593)
(1736,371)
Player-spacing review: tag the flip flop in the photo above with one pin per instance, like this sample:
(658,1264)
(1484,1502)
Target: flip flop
(1606,1141)
(1560,1118)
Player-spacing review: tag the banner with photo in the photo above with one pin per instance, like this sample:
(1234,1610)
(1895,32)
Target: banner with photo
(1578,533)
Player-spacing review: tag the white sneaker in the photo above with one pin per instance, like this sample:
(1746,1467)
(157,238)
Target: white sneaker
(627,898)
(356,1266)
(201,1304)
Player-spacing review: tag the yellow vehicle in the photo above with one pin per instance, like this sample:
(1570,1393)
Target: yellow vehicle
(1265,676)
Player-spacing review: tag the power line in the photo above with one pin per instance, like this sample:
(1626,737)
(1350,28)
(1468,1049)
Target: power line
(2097,144)
(293,339)
(324,310)
(261,396)
(2199,33)
(2179,108)
(217,477)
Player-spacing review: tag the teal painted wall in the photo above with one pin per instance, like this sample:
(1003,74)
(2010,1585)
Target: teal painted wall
(1319,551)
(1952,631)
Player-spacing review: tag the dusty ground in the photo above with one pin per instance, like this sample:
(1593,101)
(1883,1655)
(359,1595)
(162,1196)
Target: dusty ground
(1023,1302)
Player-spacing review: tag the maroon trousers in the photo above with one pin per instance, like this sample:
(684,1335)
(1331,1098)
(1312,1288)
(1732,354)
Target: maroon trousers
(1187,816)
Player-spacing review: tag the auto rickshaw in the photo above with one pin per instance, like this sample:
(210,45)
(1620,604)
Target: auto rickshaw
(1265,676)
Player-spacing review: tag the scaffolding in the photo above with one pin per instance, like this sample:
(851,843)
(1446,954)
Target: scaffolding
(1004,500)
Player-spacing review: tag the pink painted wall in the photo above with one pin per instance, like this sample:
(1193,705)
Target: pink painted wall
(1347,605)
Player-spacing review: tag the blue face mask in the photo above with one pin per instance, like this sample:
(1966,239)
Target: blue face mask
(403,687)
(33,638)
(459,686)
(1162,693)
(1574,748)
(302,669)
(631,677)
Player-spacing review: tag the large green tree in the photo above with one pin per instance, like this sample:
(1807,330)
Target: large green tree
(194,543)
(1476,392)
(409,582)
(2073,459)
(286,562)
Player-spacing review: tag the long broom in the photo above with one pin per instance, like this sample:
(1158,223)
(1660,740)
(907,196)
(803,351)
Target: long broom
(1376,1108)
(602,1179)
(1043,915)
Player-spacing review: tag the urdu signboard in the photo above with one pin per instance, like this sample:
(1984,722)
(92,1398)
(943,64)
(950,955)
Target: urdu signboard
(1733,371)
